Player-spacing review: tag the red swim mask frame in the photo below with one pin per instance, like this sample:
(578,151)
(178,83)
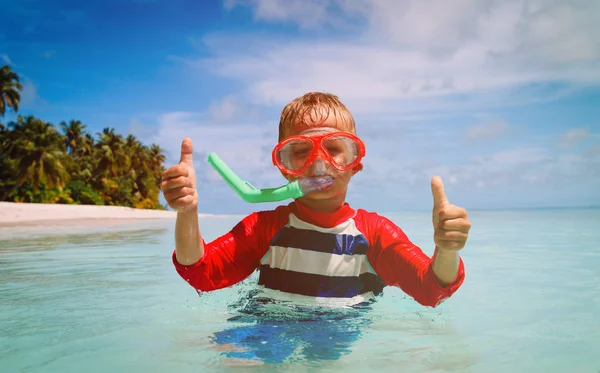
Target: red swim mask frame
(318,149)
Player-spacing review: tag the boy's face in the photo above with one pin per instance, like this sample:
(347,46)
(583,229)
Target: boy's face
(320,166)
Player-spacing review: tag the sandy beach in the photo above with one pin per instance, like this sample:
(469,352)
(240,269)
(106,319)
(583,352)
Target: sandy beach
(44,215)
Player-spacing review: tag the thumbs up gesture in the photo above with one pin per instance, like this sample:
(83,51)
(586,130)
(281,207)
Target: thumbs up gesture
(450,223)
(179,181)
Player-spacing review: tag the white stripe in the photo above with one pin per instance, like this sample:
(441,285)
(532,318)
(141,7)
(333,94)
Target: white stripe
(316,263)
(309,300)
(347,227)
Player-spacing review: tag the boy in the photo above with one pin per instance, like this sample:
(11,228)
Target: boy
(317,249)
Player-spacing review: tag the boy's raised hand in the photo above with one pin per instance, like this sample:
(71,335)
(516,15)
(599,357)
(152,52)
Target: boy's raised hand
(179,181)
(450,223)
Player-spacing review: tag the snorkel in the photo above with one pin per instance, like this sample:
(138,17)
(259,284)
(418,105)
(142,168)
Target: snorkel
(249,193)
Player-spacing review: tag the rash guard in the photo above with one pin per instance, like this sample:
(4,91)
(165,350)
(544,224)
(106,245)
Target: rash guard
(341,258)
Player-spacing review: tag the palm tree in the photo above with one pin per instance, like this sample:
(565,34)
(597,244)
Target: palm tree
(73,137)
(10,90)
(134,154)
(3,136)
(38,151)
(6,164)
(110,152)
(157,157)
(136,165)
(87,144)
(4,141)
(39,164)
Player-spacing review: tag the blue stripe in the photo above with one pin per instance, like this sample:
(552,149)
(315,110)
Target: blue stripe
(318,285)
(329,243)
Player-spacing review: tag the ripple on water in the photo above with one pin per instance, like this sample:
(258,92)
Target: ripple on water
(111,301)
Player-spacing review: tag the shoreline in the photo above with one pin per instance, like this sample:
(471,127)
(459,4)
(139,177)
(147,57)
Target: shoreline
(13,214)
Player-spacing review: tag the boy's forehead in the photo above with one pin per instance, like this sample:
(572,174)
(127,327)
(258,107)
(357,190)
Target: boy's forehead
(338,121)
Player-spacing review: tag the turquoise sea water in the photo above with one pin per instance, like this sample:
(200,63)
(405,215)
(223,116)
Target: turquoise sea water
(109,300)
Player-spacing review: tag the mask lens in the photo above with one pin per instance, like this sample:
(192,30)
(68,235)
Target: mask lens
(342,150)
(295,154)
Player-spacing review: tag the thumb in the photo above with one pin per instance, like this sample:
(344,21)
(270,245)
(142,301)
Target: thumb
(187,152)
(439,195)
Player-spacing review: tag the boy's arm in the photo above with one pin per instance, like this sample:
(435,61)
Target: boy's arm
(446,265)
(228,259)
(189,246)
(225,261)
(399,262)
(451,227)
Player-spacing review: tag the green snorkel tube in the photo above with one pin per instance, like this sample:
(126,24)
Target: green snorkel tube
(249,193)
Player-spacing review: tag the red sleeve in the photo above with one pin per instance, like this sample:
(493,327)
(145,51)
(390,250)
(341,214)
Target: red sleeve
(399,262)
(232,257)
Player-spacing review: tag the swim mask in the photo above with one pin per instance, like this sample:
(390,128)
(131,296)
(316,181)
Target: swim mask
(295,154)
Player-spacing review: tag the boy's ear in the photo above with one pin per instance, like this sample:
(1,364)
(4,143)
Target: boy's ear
(359,167)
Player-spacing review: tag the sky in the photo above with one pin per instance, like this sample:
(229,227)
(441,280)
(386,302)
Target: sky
(499,98)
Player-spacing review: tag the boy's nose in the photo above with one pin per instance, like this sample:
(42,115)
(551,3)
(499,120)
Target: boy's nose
(318,167)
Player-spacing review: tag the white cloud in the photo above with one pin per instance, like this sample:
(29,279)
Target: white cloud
(29,94)
(224,110)
(508,168)
(573,137)
(404,68)
(399,169)
(6,60)
(593,152)
(140,129)
(244,147)
(229,4)
(522,176)
(413,49)
(521,167)
(509,162)
(307,14)
(487,130)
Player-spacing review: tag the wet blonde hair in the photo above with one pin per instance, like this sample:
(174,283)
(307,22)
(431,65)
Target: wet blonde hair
(316,107)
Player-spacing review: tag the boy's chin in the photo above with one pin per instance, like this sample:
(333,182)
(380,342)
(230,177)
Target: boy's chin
(320,194)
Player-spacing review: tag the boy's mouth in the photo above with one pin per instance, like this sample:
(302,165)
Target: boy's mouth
(315,183)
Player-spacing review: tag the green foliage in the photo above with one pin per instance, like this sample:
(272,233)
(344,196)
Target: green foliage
(40,164)
(10,90)
(83,194)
